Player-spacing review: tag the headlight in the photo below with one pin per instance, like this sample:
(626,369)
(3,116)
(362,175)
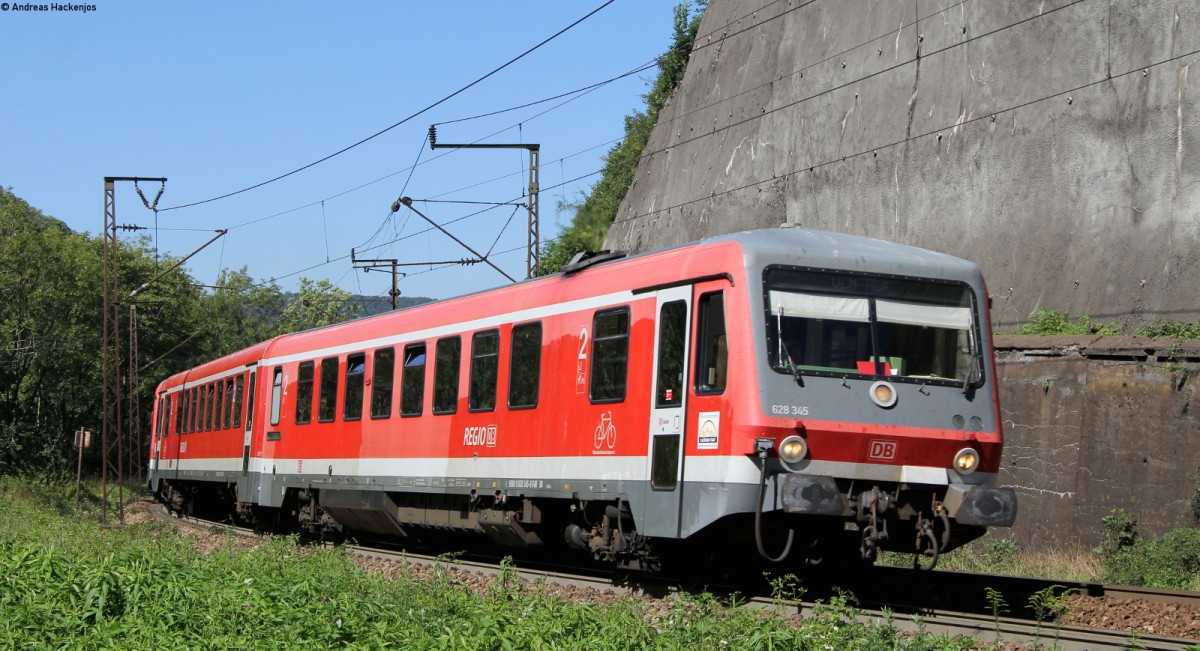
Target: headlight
(966,461)
(792,449)
(883,394)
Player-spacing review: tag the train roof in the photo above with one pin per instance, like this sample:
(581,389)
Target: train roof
(244,357)
(809,246)
(826,249)
(790,245)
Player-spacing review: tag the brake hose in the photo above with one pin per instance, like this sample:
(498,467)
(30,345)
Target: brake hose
(762,491)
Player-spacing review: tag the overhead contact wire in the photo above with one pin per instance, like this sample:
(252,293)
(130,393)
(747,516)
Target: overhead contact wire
(410,117)
(411,168)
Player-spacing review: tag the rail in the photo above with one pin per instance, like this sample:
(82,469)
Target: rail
(951,603)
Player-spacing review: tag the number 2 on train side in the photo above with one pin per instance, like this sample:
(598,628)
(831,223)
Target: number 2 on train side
(581,364)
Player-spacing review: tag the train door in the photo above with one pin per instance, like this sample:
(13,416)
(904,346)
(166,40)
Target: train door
(167,427)
(249,402)
(667,412)
(185,403)
(160,429)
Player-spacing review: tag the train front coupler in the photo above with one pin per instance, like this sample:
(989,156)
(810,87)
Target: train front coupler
(873,507)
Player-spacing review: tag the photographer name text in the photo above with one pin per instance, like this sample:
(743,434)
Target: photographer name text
(53,6)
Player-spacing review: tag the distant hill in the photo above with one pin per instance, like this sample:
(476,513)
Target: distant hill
(372,305)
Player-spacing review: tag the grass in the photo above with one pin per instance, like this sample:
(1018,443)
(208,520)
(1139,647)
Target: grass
(67,583)
(1170,561)
(995,554)
(1050,322)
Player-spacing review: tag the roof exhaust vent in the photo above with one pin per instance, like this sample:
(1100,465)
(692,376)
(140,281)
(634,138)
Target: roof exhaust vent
(585,259)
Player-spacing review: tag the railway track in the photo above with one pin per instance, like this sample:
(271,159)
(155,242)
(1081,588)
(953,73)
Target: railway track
(903,589)
(950,603)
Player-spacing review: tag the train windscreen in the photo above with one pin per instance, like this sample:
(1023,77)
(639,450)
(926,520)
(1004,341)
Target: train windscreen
(828,323)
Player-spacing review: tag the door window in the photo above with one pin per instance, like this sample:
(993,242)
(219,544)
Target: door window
(712,351)
(672,321)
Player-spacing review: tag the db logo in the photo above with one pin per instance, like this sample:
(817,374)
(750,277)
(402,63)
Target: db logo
(882,450)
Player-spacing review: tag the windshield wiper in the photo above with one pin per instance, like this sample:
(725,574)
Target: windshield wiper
(793,368)
(973,373)
(783,349)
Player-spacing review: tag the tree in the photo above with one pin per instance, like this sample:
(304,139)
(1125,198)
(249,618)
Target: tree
(51,316)
(241,312)
(319,303)
(49,366)
(51,333)
(598,209)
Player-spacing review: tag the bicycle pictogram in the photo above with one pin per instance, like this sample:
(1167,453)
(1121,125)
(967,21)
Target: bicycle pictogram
(606,432)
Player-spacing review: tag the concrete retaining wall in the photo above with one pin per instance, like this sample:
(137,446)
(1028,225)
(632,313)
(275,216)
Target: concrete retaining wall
(1053,142)
(1097,423)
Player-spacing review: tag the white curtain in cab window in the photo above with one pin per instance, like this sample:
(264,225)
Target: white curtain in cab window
(937,316)
(812,306)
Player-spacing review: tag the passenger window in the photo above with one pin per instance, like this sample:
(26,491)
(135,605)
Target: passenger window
(201,401)
(304,393)
(525,364)
(276,395)
(218,403)
(610,355)
(184,402)
(384,369)
(250,399)
(218,389)
(180,411)
(237,400)
(205,423)
(327,401)
(195,415)
(485,365)
(160,422)
(712,349)
(228,402)
(412,398)
(445,375)
(219,409)
(210,401)
(352,402)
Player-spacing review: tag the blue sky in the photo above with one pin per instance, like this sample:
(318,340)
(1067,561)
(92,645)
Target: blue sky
(218,96)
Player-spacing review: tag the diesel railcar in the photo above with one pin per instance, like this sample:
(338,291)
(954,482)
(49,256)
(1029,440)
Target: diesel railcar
(788,392)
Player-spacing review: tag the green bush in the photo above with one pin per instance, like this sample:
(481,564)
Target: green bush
(1171,561)
(1120,532)
(1049,322)
(1171,329)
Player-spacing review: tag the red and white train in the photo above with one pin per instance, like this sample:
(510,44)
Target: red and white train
(761,389)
